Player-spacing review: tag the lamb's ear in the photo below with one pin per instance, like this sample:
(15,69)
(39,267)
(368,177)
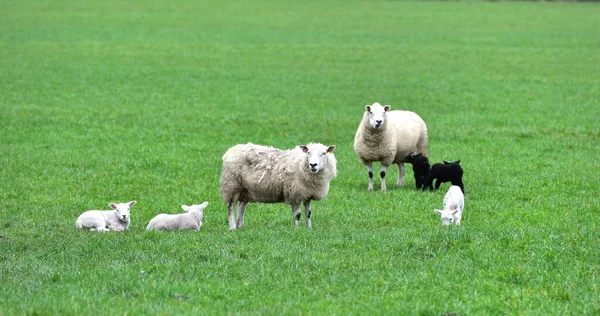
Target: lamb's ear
(304,148)
(132,203)
(185,208)
(387,108)
(331,148)
(438,211)
(368,108)
(455,211)
(113,206)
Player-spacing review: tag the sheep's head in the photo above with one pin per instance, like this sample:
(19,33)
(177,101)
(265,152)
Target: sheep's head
(196,208)
(376,114)
(317,156)
(122,210)
(447,216)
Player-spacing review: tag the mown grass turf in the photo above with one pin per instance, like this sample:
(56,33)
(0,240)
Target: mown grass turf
(108,101)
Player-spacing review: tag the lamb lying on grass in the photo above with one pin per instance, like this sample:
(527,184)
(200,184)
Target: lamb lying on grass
(192,220)
(118,219)
(388,137)
(454,203)
(255,173)
(445,172)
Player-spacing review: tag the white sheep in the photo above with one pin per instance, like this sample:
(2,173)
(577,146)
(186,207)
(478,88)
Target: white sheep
(192,220)
(255,173)
(389,137)
(117,219)
(454,203)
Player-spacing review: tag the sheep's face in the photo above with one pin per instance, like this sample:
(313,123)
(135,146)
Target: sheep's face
(447,216)
(376,114)
(122,210)
(316,156)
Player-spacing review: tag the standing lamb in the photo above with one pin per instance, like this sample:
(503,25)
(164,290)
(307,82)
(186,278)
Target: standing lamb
(454,203)
(118,219)
(192,220)
(445,172)
(255,173)
(421,168)
(389,137)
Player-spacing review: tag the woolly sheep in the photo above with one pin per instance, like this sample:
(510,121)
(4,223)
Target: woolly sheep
(192,220)
(117,219)
(445,172)
(388,137)
(421,168)
(454,203)
(255,173)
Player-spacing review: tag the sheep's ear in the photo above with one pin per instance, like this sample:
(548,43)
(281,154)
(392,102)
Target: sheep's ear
(132,203)
(368,108)
(387,108)
(455,211)
(331,148)
(113,206)
(438,211)
(304,148)
(185,208)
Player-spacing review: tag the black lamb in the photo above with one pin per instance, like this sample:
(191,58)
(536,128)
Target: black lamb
(449,171)
(420,167)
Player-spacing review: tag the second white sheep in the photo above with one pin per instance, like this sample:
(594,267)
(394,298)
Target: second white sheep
(454,203)
(191,220)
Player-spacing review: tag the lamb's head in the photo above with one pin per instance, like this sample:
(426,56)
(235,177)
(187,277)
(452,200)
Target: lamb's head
(447,216)
(376,115)
(122,210)
(199,208)
(316,156)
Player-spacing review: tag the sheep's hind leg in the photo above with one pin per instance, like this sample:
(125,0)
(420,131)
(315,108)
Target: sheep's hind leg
(241,212)
(307,212)
(231,206)
(297,212)
(401,172)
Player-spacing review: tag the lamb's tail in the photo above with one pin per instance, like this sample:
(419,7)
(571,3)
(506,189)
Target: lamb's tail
(78,224)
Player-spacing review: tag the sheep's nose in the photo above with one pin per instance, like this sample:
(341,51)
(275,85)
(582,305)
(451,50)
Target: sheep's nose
(313,165)
(124,216)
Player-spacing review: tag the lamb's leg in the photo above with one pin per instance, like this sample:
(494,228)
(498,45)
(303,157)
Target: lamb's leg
(296,210)
(382,175)
(370,168)
(401,172)
(437,183)
(307,211)
(241,212)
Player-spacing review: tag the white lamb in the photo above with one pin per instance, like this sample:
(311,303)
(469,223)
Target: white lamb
(255,173)
(192,220)
(454,203)
(118,219)
(389,137)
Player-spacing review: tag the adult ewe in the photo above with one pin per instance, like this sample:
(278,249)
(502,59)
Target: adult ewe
(389,137)
(255,173)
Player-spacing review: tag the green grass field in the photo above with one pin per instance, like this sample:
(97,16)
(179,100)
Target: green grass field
(110,101)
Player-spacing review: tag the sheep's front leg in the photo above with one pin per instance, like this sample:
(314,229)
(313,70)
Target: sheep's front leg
(296,210)
(382,175)
(370,168)
(241,212)
(401,172)
(307,211)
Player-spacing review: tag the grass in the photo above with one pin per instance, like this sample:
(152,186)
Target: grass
(108,101)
